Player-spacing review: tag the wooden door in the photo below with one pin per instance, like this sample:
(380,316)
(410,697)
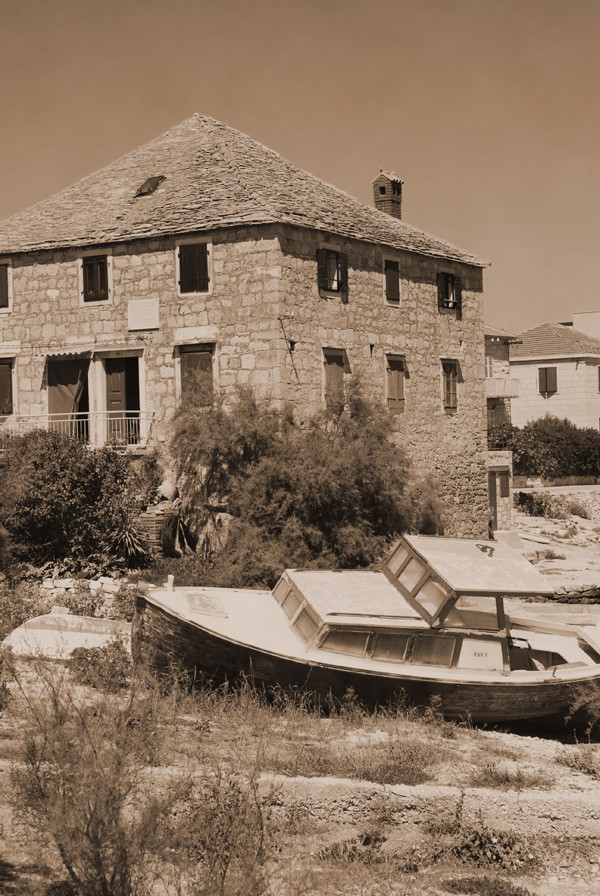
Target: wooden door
(122,399)
(493,500)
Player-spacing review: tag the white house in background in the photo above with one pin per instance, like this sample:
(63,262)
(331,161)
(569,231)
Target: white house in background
(558,369)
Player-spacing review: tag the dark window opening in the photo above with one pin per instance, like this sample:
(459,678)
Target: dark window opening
(548,381)
(382,190)
(197,373)
(193,267)
(449,292)
(332,270)
(450,380)
(149,186)
(392,282)
(6,393)
(95,278)
(4,296)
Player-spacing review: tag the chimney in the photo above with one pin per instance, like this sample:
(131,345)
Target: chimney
(387,193)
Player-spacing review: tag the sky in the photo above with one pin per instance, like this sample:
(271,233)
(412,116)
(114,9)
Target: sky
(489,111)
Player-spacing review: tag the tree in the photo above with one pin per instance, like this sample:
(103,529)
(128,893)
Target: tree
(333,492)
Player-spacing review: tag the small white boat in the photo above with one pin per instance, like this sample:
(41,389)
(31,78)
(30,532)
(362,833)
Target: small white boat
(431,622)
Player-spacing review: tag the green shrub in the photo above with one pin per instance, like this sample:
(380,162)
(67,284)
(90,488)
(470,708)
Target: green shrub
(332,492)
(82,601)
(484,886)
(107,668)
(60,498)
(19,602)
(550,448)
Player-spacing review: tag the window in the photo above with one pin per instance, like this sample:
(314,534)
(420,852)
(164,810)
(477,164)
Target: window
(489,366)
(5,286)
(598,369)
(193,267)
(394,374)
(6,389)
(392,282)
(332,270)
(450,383)
(95,278)
(196,373)
(149,186)
(547,380)
(334,363)
(449,292)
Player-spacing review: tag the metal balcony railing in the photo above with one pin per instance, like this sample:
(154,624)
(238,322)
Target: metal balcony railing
(120,429)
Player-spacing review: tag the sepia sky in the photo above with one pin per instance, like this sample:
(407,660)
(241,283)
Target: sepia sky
(489,110)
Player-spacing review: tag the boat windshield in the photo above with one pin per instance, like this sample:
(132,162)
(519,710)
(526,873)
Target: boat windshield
(474,611)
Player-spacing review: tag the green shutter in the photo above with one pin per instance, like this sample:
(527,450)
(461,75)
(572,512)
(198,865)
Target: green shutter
(6,401)
(193,268)
(3,286)
(322,268)
(392,282)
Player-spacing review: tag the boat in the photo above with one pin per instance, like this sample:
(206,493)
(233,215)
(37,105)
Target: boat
(430,624)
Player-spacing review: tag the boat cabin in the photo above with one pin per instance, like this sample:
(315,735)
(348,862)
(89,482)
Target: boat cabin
(434,602)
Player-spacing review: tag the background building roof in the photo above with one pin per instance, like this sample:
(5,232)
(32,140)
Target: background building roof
(214,176)
(554,341)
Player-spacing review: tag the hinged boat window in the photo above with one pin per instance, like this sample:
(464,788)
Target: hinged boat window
(280,591)
(391,647)
(431,597)
(305,625)
(474,612)
(290,605)
(397,559)
(411,574)
(353,643)
(433,650)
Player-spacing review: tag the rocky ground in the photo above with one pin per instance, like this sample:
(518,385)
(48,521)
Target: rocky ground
(338,835)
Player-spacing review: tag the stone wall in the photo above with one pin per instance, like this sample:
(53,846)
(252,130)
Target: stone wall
(269,324)
(448,446)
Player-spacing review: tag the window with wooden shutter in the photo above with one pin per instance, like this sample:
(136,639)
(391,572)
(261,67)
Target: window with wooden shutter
(450,381)
(392,282)
(95,278)
(197,373)
(6,394)
(193,268)
(332,270)
(504,484)
(395,373)
(4,291)
(449,292)
(548,381)
(334,361)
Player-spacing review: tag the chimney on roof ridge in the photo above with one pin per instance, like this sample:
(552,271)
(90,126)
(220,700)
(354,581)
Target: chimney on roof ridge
(387,193)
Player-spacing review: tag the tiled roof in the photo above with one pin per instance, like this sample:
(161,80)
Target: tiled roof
(215,177)
(554,341)
(498,334)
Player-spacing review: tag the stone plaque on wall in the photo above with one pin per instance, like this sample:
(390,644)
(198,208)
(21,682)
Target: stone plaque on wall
(142,314)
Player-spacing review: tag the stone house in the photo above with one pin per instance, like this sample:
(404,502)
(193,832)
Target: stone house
(204,259)
(558,369)
(500,390)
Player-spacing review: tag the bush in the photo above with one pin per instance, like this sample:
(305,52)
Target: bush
(333,492)
(18,603)
(107,668)
(550,448)
(59,498)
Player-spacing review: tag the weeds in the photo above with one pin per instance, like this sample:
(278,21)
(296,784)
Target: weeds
(107,668)
(484,886)
(503,778)
(586,760)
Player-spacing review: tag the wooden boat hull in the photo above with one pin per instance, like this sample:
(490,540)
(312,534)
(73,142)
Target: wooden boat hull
(165,642)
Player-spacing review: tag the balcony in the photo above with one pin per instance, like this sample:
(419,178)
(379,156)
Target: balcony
(501,387)
(123,430)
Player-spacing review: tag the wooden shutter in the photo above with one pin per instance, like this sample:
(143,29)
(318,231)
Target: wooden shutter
(6,402)
(458,297)
(442,285)
(193,267)
(392,282)
(543,379)
(504,484)
(95,278)
(3,286)
(334,380)
(551,379)
(322,268)
(343,272)
(395,384)
(197,373)
(450,380)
